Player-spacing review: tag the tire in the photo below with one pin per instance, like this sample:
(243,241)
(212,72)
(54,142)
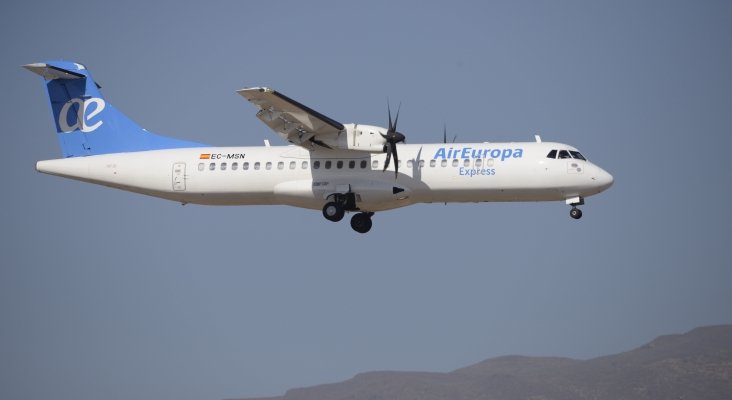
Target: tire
(333,211)
(361,222)
(575,213)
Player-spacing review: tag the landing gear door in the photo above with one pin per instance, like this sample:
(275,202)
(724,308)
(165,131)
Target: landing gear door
(179,177)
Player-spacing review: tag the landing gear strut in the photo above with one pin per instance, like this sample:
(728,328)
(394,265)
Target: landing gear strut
(338,205)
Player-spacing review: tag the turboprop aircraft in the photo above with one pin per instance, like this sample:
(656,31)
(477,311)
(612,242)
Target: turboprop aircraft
(328,166)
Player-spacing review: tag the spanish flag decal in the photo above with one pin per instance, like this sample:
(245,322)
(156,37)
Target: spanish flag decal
(205,156)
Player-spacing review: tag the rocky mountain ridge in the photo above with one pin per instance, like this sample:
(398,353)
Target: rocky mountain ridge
(694,365)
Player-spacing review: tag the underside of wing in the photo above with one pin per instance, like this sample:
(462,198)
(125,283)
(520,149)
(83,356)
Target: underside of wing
(294,122)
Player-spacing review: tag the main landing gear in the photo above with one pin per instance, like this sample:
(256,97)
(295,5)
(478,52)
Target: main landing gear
(335,210)
(575,212)
(361,222)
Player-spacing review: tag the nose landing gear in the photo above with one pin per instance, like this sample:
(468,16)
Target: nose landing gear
(575,212)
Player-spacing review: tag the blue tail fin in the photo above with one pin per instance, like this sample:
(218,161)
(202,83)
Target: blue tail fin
(85,123)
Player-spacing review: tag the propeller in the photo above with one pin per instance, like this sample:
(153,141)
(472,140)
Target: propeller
(392,138)
(444,135)
(444,138)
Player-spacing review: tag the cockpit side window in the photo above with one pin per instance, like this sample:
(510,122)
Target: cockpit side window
(577,155)
(552,154)
(564,154)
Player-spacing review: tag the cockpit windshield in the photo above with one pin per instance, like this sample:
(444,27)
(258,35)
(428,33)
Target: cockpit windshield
(564,154)
(577,155)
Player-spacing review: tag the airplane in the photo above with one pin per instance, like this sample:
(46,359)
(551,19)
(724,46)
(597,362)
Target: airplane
(329,166)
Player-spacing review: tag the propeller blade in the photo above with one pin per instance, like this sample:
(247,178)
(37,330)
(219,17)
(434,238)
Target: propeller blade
(396,161)
(388,107)
(396,119)
(444,135)
(388,155)
(392,137)
(397,137)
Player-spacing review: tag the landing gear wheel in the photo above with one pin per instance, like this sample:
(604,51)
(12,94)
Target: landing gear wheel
(333,211)
(361,222)
(575,213)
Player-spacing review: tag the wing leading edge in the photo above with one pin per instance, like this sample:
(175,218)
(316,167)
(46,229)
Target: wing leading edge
(294,122)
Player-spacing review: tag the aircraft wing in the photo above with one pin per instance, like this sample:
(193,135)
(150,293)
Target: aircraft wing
(293,121)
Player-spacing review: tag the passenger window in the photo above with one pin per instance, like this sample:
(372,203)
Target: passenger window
(268,166)
(364,164)
(410,163)
(304,165)
(316,164)
(443,163)
(478,163)
(256,165)
(223,166)
(433,163)
(234,166)
(375,164)
(352,164)
(400,163)
(455,162)
(328,164)
(421,163)
(339,164)
(201,166)
(281,165)
(466,162)
(245,165)
(211,166)
(293,164)
(552,154)
(564,154)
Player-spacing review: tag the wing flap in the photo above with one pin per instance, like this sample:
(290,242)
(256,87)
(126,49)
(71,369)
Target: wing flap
(290,119)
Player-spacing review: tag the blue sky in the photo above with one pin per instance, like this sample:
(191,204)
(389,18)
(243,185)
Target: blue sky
(108,294)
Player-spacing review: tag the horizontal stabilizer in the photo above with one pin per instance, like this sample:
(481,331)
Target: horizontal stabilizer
(49,72)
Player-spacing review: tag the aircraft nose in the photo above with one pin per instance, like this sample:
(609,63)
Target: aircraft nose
(603,179)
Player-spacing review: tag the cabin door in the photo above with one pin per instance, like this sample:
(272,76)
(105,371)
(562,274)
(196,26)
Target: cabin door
(179,177)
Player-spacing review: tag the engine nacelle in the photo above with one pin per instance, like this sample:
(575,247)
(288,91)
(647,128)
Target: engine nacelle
(361,137)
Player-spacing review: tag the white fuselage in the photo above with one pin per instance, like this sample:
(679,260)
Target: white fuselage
(295,176)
